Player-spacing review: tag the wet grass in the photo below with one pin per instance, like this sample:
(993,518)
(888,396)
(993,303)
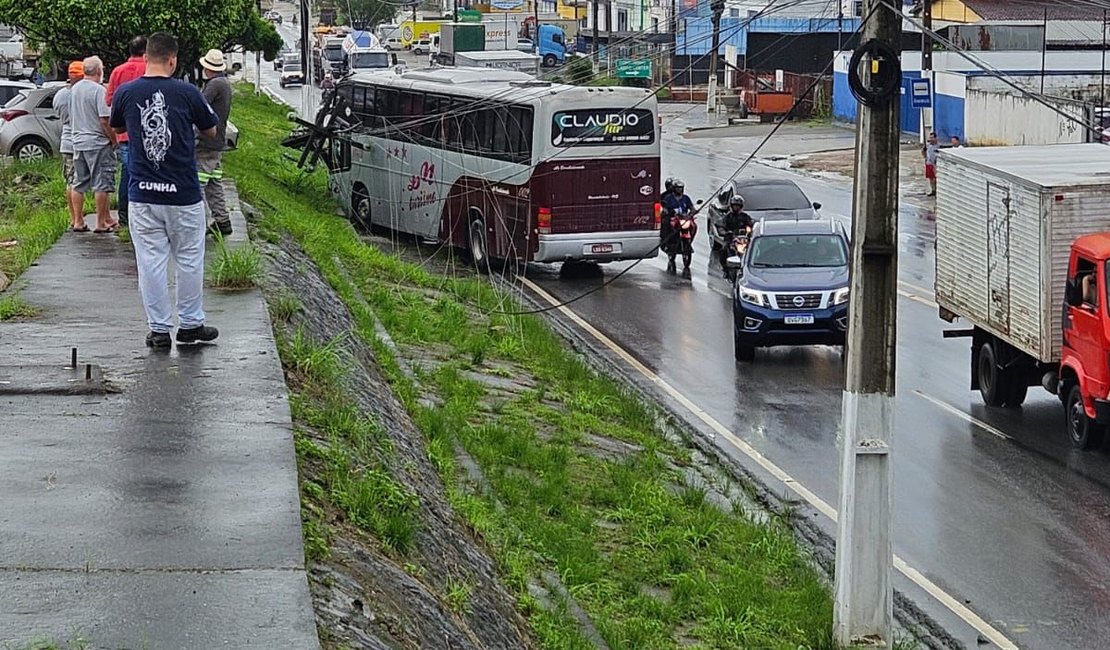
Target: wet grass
(238,267)
(13,307)
(32,213)
(651,559)
(345,450)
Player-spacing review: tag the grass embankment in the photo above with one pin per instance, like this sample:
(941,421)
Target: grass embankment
(32,218)
(576,481)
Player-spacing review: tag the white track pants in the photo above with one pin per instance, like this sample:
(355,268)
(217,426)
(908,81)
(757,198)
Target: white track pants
(161,233)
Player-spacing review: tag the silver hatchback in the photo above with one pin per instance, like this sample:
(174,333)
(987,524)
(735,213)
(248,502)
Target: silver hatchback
(29,127)
(31,130)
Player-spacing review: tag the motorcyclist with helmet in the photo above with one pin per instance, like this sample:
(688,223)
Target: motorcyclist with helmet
(736,223)
(677,205)
(665,231)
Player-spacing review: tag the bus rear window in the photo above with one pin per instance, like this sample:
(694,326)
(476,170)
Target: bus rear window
(602,127)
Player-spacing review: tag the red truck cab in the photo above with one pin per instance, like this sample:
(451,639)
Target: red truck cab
(1085,350)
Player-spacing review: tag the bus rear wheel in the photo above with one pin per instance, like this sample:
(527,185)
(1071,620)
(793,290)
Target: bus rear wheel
(360,208)
(478,246)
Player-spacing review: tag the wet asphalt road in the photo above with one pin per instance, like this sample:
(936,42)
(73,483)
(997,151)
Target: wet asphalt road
(1004,517)
(992,505)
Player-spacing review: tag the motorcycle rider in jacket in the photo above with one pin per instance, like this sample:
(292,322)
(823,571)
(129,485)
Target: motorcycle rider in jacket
(677,203)
(736,223)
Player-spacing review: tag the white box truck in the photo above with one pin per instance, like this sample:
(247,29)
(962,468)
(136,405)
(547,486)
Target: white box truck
(505,60)
(1022,255)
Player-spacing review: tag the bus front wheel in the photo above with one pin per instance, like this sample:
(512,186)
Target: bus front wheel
(360,208)
(479,250)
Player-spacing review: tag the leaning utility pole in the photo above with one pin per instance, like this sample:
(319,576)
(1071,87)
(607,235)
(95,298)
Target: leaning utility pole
(718,7)
(863,606)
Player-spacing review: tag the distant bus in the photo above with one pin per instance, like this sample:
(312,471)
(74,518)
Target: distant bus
(502,165)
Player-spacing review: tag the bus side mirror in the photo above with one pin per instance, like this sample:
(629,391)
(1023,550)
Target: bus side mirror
(1073,295)
(394,56)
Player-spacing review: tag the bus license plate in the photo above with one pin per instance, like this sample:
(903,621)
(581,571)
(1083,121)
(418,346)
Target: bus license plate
(799,319)
(597,249)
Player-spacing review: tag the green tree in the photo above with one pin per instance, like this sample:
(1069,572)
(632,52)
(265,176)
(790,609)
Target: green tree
(73,29)
(368,14)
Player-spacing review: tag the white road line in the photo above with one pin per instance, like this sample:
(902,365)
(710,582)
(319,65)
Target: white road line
(963,416)
(916,298)
(920,290)
(957,608)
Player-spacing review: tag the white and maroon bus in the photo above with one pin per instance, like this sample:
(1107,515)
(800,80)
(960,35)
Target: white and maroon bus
(501,164)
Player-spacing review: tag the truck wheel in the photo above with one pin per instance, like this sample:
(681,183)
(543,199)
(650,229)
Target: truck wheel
(1017,393)
(1084,432)
(992,382)
(549,60)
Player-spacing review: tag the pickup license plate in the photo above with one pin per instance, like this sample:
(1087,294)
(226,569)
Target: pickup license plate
(799,319)
(597,249)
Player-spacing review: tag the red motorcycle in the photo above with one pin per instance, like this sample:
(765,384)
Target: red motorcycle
(685,228)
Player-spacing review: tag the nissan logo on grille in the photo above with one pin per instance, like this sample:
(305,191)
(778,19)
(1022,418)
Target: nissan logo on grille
(799,301)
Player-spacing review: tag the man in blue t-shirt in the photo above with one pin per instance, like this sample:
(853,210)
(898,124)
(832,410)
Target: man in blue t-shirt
(166,208)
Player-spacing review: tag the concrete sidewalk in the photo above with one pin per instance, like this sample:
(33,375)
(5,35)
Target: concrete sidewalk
(165,515)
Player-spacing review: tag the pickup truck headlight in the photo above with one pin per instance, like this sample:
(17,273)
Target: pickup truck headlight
(840,296)
(751,295)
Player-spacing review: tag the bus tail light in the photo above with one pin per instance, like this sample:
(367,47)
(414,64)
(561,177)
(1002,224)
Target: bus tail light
(543,221)
(658,215)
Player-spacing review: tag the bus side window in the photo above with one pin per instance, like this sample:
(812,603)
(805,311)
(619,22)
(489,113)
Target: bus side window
(358,100)
(520,133)
(500,131)
(469,121)
(369,112)
(412,110)
(429,126)
(389,103)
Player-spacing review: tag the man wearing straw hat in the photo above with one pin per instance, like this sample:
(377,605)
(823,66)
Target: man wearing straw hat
(217,90)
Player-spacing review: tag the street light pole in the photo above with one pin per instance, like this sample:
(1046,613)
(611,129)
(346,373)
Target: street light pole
(863,609)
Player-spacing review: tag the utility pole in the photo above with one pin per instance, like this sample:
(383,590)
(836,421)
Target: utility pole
(863,605)
(597,52)
(926,37)
(1102,92)
(718,7)
(927,66)
(306,61)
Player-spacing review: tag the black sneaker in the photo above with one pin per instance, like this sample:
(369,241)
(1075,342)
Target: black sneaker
(158,340)
(221,229)
(201,334)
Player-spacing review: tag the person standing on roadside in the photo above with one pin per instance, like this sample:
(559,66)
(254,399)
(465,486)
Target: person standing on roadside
(217,90)
(129,70)
(929,151)
(94,142)
(159,114)
(74,201)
